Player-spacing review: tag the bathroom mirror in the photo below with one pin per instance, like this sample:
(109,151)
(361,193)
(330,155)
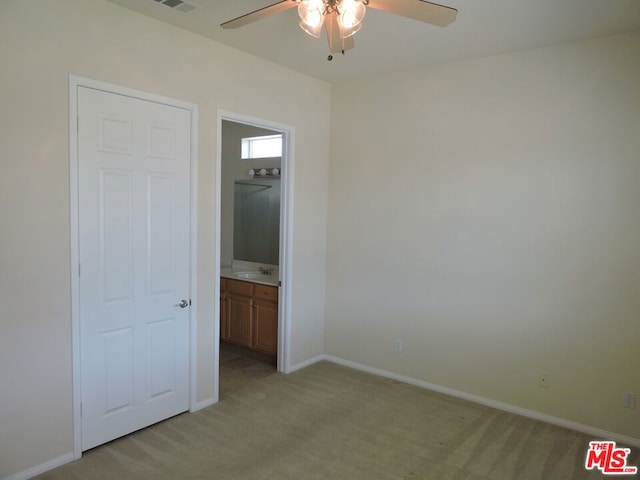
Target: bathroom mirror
(256,220)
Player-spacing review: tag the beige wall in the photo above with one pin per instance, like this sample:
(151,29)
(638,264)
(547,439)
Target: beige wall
(486,213)
(41,43)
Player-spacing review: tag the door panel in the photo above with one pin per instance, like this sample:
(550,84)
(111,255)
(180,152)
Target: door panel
(160,238)
(118,362)
(162,355)
(116,235)
(134,170)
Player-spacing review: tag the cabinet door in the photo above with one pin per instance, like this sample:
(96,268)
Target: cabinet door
(265,326)
(239,324)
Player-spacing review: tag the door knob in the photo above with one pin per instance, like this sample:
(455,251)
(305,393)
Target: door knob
(183,304)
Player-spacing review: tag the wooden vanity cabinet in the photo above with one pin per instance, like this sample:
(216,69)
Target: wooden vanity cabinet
(265,319)
(249,315)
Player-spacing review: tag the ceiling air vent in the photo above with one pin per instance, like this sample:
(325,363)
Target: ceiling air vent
(178,5)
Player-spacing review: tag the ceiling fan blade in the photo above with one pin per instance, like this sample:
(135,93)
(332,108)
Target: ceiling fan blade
(336,44)
(260,14)
(418,10)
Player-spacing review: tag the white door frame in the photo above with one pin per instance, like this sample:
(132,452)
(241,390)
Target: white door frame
(286,237)
(75,82)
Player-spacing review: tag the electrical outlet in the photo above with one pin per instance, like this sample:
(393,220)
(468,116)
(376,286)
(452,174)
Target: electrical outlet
(543,380)
(629,400)
(397,345)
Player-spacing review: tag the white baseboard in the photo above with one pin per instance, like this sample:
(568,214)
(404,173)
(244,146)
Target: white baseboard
(306,363)
(543,417)
(43,467)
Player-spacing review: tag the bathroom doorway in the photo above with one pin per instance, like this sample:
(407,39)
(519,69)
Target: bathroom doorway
(254,205)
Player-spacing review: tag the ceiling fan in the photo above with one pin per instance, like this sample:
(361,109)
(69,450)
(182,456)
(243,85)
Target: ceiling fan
(343,18)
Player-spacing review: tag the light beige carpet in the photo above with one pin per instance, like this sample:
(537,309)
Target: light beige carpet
(331,422)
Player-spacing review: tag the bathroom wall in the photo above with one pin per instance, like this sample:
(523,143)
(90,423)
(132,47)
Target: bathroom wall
(486,214)
(234,168)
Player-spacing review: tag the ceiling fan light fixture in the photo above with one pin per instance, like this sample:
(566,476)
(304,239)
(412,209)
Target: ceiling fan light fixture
(348,31)
(314,31)
(351,13)
(311,14)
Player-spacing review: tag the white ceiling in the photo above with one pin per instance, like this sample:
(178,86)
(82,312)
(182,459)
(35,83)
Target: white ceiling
(390,43)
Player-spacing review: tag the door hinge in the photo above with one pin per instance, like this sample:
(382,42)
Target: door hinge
(80,408)
(189,302)
(279,283)
(78,124)
(78,269)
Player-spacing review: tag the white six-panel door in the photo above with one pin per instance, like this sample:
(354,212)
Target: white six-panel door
(134,177)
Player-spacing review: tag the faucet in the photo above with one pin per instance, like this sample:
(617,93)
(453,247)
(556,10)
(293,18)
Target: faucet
(266,271)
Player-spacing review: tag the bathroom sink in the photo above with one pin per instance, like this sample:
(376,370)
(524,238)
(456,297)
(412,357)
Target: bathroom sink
(251,275)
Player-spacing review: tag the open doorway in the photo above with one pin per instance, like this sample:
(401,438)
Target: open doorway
(252,250)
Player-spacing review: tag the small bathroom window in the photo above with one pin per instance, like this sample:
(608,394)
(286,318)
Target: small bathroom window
(268,146)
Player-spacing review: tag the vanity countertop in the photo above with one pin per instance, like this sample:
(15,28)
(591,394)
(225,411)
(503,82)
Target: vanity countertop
(249,275)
